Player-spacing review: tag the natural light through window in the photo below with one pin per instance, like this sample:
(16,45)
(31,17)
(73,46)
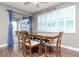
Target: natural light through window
(58,20)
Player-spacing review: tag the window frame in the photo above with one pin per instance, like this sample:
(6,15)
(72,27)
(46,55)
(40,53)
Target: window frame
(65,20)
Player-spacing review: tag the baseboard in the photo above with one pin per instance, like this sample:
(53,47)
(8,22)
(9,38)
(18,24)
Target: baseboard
(3,45)
(70,48)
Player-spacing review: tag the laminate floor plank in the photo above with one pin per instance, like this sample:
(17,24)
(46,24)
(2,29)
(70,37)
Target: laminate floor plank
(15,51)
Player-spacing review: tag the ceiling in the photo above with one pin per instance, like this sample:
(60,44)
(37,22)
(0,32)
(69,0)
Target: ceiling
(31,8)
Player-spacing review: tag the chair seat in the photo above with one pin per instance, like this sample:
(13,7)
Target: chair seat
(51,44)
(20,41)
(33,43)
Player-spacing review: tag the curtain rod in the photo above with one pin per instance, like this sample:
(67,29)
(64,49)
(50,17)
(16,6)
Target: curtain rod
(19,13)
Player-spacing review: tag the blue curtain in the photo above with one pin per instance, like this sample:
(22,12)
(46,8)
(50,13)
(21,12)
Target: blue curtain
(10,29)
(30,19)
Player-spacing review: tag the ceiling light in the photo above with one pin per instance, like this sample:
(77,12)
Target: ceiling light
(34,3)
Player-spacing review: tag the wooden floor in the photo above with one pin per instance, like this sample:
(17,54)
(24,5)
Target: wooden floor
(17,52)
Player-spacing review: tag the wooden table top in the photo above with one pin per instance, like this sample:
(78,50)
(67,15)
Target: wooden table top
(41,35)
(44,36)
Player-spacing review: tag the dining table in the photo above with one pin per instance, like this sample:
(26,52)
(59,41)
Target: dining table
(44,38)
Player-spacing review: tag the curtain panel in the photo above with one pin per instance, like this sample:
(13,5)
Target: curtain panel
(10,29)
(30,19)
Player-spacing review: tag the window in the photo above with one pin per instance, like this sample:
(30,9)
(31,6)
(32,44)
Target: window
(19,25)
(25,24)
(14,23)
(59,20)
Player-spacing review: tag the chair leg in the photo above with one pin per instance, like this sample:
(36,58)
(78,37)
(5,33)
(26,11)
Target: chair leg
(39,49)
(51,50)
(24,53)
(60,53)
(45,51)
(57,52)
(30,52)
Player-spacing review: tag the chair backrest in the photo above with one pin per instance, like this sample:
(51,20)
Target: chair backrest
(59,39)
(22,36)
(27,39)
(19,35)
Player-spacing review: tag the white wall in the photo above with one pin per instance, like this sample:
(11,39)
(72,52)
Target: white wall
(4,21)
(68,39)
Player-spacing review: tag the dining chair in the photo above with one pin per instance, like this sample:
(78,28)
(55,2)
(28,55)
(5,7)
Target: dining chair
(55,43)
(29,44)
(21,37)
